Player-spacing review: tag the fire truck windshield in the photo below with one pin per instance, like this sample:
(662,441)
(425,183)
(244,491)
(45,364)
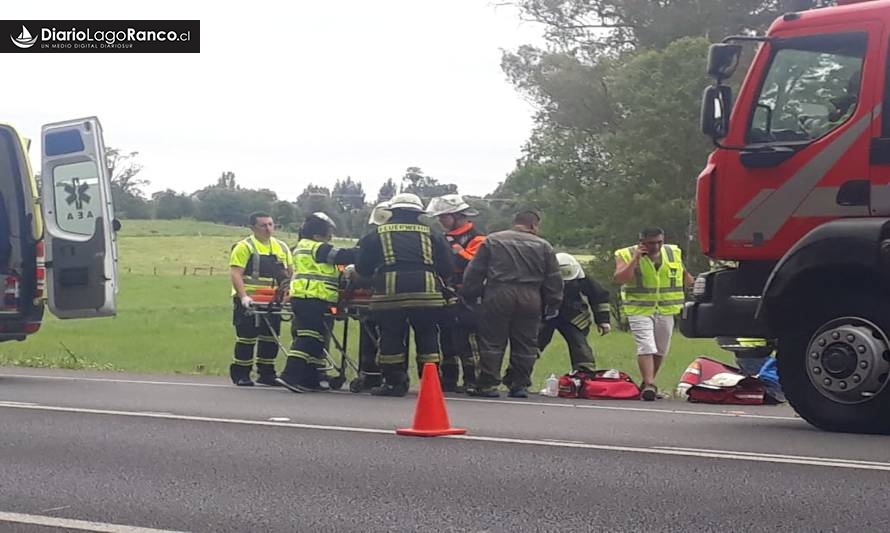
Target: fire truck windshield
(811,87)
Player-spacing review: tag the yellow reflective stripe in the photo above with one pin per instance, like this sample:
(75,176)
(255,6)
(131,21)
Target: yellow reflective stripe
(316,361)
(474,348)
(428,358)
(641,290)
(390,278)
(604,307)
(266,338)
(265,361)
(391,359)
(429,282)
(389,255)
(238,362)
(298,354)
(309,333)
(245,340)
(581,321)
(426,248)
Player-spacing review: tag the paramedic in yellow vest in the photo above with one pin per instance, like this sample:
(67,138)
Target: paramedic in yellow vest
(259,261)
(314,289)
(652,278)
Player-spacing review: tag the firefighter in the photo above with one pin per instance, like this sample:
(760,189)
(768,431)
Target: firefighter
(575,318)
(457,333)
(314,289)
(369,371)
(519,276)
(259,261)
(652,278)
(406,261)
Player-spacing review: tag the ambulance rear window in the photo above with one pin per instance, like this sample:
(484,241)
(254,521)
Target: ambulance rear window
(63,142)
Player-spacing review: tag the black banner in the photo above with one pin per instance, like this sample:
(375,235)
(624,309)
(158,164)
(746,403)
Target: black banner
(86,36)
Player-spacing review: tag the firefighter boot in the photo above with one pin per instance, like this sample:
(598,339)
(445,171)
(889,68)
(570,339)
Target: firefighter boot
(240,375)
(450,373)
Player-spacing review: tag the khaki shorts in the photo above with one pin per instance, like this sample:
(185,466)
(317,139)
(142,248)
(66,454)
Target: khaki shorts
(652,334)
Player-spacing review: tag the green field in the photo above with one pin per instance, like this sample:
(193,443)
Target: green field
(174,323)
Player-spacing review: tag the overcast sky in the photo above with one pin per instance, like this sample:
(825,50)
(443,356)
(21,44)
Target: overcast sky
(285,96)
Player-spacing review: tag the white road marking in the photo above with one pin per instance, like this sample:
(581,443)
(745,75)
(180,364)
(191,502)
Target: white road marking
(280,419)
(78,525)
(731,414)
(681,452)
(515,403)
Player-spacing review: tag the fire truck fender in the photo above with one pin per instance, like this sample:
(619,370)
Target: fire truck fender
(841,253)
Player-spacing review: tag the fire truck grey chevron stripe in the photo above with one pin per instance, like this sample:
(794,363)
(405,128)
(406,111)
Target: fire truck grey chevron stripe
(772,213)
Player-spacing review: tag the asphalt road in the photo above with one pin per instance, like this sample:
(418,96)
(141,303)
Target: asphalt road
(115,452)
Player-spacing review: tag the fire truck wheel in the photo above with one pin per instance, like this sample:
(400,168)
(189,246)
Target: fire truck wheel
(835,360)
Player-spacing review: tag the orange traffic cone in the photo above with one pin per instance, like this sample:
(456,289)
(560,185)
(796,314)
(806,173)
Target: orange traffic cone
(430,416)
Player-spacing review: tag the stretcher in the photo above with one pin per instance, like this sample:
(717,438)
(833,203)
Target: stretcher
(353,304)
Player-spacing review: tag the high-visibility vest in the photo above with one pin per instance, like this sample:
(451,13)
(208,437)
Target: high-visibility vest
(654,290)
(311,278)
(260,271)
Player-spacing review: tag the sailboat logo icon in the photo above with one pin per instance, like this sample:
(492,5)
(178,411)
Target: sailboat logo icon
(24,40)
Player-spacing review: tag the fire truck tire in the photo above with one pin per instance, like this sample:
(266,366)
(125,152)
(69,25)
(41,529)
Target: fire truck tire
(834,361)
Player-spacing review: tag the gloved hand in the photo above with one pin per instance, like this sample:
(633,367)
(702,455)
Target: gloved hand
(604,329)
(246,301)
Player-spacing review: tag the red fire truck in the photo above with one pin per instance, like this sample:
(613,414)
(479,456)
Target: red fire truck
(796,198)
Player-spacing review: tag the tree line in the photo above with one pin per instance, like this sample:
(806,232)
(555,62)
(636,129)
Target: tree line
(615,144)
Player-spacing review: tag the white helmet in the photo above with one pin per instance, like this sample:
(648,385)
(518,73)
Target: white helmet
(406,201)
(569,267)
(380,214)
(323,216)
(449,204)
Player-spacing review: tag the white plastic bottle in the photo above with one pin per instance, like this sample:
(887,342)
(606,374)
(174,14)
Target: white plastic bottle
(552,386)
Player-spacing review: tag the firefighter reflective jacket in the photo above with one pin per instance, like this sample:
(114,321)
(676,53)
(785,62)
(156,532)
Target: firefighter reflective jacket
(576,311)
(264,264)
(313,277)
(654,290)
(407,263)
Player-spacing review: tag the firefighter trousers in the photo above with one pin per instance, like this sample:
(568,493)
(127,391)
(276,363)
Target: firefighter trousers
(460,352)
(394,325)
(580,351)
(253,333)
(510,313)
(311,329)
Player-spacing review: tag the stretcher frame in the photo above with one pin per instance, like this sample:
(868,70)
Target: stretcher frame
(346,309)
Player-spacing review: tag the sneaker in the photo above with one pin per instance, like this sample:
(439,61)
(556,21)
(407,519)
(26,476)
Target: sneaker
(243,382)
(268,380)
(649,393)
(520,392)
(397,391)
(484,392)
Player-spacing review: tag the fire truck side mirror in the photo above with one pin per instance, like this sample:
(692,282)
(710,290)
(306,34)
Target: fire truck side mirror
(715,107)
(723,59)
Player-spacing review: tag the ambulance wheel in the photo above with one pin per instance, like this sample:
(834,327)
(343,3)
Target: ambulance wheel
(337,383)
(834,361)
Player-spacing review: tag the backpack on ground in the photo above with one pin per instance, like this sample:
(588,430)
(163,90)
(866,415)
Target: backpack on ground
(600,384)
